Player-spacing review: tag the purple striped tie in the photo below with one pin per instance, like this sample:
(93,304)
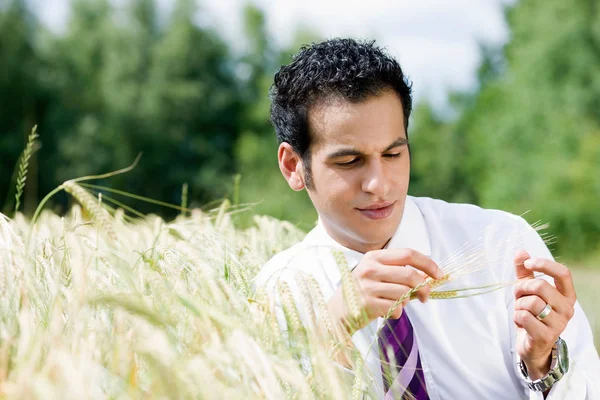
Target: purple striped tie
(406,380)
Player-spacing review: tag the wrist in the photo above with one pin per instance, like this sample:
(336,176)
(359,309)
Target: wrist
(559,366)
(538,368)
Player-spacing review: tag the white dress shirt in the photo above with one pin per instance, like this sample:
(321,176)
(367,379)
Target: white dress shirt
(467,345)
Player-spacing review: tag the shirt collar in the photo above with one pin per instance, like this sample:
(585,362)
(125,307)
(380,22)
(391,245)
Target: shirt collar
(411,233)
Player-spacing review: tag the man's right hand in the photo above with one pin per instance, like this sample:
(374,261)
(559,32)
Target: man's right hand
(383,277)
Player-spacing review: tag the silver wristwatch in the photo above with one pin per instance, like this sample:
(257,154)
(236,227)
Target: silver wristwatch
(558,368)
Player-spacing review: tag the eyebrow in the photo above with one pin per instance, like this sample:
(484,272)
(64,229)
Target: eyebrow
(401,141)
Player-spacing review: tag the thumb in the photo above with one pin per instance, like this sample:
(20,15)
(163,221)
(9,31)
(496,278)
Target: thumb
(520,269)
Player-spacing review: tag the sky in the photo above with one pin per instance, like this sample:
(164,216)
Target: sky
(435,41)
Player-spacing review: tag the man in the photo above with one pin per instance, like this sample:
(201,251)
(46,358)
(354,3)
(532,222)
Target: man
(340,110)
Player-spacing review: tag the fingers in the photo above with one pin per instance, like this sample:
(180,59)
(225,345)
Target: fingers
(403,257)
(545,291)
(533,295)
(423,294)
(561,274)
(520,257)
(392,291)
(382,306)
(540,333)
(393,282)
(384,279)
(401,275)
(535,305)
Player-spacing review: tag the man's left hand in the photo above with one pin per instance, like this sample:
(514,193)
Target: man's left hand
(535,338)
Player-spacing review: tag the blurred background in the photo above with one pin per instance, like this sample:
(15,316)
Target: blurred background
(507,96)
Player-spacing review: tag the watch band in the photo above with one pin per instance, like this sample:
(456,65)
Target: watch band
(558,368)
(544,383)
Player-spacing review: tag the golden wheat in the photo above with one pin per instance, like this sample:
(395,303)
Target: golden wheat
(91,205)
(167,310)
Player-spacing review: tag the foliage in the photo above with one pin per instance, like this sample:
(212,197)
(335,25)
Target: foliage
(119,81)
(530,138)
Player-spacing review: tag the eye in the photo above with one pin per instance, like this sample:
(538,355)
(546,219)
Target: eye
(348,163)
(392,155)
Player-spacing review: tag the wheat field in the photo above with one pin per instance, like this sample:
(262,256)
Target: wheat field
(98,305)
(148,310)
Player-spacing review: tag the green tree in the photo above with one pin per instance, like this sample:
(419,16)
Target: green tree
(121,81)
(528,139)
(256,149)
(21,96)
(438,155)
(533,132)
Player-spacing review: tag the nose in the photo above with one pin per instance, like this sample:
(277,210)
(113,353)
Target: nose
(374,180)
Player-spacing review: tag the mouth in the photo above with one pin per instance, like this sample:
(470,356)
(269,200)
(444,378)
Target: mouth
(378,210)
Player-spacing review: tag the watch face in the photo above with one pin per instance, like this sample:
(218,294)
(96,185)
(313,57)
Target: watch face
(563,356)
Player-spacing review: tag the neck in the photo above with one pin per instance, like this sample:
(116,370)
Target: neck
(352,244)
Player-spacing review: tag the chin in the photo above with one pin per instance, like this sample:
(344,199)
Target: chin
(384,232)
(382,236)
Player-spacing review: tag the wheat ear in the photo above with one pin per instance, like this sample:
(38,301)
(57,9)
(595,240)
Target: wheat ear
(90,204)
(24,167)
(290,310)
(357,387)
(351,293)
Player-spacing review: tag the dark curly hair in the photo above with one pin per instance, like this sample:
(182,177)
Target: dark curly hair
(346,68)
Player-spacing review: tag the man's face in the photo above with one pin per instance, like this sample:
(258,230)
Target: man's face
(360,169)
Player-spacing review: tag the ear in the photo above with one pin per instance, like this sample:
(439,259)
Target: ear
(290,165)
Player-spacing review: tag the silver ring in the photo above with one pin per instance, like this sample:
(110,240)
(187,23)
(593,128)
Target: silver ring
(544,312)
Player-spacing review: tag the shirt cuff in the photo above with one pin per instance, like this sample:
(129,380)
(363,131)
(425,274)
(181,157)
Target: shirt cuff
(572,386)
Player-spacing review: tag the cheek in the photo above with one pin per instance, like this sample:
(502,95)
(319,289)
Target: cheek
(402,167)
(336,191)
(340,194)
(400,174)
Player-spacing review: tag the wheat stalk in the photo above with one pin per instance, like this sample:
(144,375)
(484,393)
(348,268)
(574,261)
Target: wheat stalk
(467,259)
(24,166)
